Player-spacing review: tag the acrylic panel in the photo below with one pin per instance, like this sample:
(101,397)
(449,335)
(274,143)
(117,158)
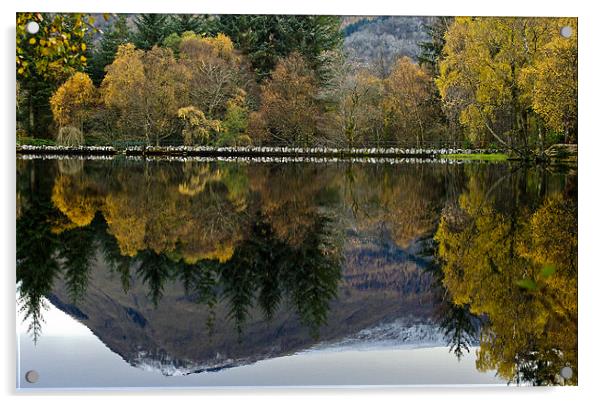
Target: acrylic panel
(265,201)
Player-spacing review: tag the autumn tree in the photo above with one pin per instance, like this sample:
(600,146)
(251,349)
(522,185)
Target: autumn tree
(47,58)
(165,91)
(122,91)
(236,121)
(146,90)
(72,102)
(153,93)
(408,112)
(289,109)
(484,62)
(550,84)
(361,107)
(217,72)
(197,128)
(353,102)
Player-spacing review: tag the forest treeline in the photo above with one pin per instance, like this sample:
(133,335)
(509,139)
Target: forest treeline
(507,82)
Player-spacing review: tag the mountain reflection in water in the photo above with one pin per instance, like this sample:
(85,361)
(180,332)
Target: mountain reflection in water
(191,267)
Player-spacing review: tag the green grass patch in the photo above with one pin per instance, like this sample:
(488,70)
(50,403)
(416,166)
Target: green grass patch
(477,156)
(35,141)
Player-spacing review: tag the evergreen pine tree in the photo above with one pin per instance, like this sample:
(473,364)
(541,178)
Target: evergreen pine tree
(430,51)
(181,23)
(117,34)
(151,30)
(266,38)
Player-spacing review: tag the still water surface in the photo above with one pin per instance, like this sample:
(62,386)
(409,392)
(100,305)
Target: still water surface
(148,273)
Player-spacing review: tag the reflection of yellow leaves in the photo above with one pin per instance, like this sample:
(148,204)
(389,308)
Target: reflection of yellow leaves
(493,261)
(221,253)
(182,220)
(192,187)
(125,223)
(406,215)
(169,220)
(197,177)
(73,201)
(61,225)
(553,234)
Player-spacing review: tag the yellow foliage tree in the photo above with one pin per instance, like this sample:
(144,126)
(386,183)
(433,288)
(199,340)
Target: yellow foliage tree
(146,89)
(550,84)
(72,102)
(406,104)
(121,88)
(196,125)
(482,73)
(217,72)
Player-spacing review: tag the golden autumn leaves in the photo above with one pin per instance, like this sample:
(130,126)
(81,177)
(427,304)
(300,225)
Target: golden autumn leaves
(519,270)
(57,50)
(71,103)
(511,78)
(191,220)
(151,95)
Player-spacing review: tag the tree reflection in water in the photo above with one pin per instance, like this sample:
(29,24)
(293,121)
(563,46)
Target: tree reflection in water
(272,237)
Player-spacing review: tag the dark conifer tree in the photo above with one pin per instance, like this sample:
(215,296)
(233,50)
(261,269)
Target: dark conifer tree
(266,38)
(118,33)
(151,30)
(431,50)
(181,23)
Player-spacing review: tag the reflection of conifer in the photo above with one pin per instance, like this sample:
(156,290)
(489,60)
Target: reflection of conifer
(76,252)
(112,254)
(313,274)
(205,280)
(460,327)
(238,281)
(36,265)
(200,280)
(268,253)
(537,367)
(155,270)
(186,275)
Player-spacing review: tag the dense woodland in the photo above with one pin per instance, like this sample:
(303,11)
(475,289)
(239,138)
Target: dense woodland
(297,80)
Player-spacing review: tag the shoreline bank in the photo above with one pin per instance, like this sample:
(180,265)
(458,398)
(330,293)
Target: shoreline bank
(257,151)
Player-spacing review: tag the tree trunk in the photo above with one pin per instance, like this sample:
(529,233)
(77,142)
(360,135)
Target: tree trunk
(31,116)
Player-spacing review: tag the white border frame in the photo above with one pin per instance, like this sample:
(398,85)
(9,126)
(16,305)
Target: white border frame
(589,221)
